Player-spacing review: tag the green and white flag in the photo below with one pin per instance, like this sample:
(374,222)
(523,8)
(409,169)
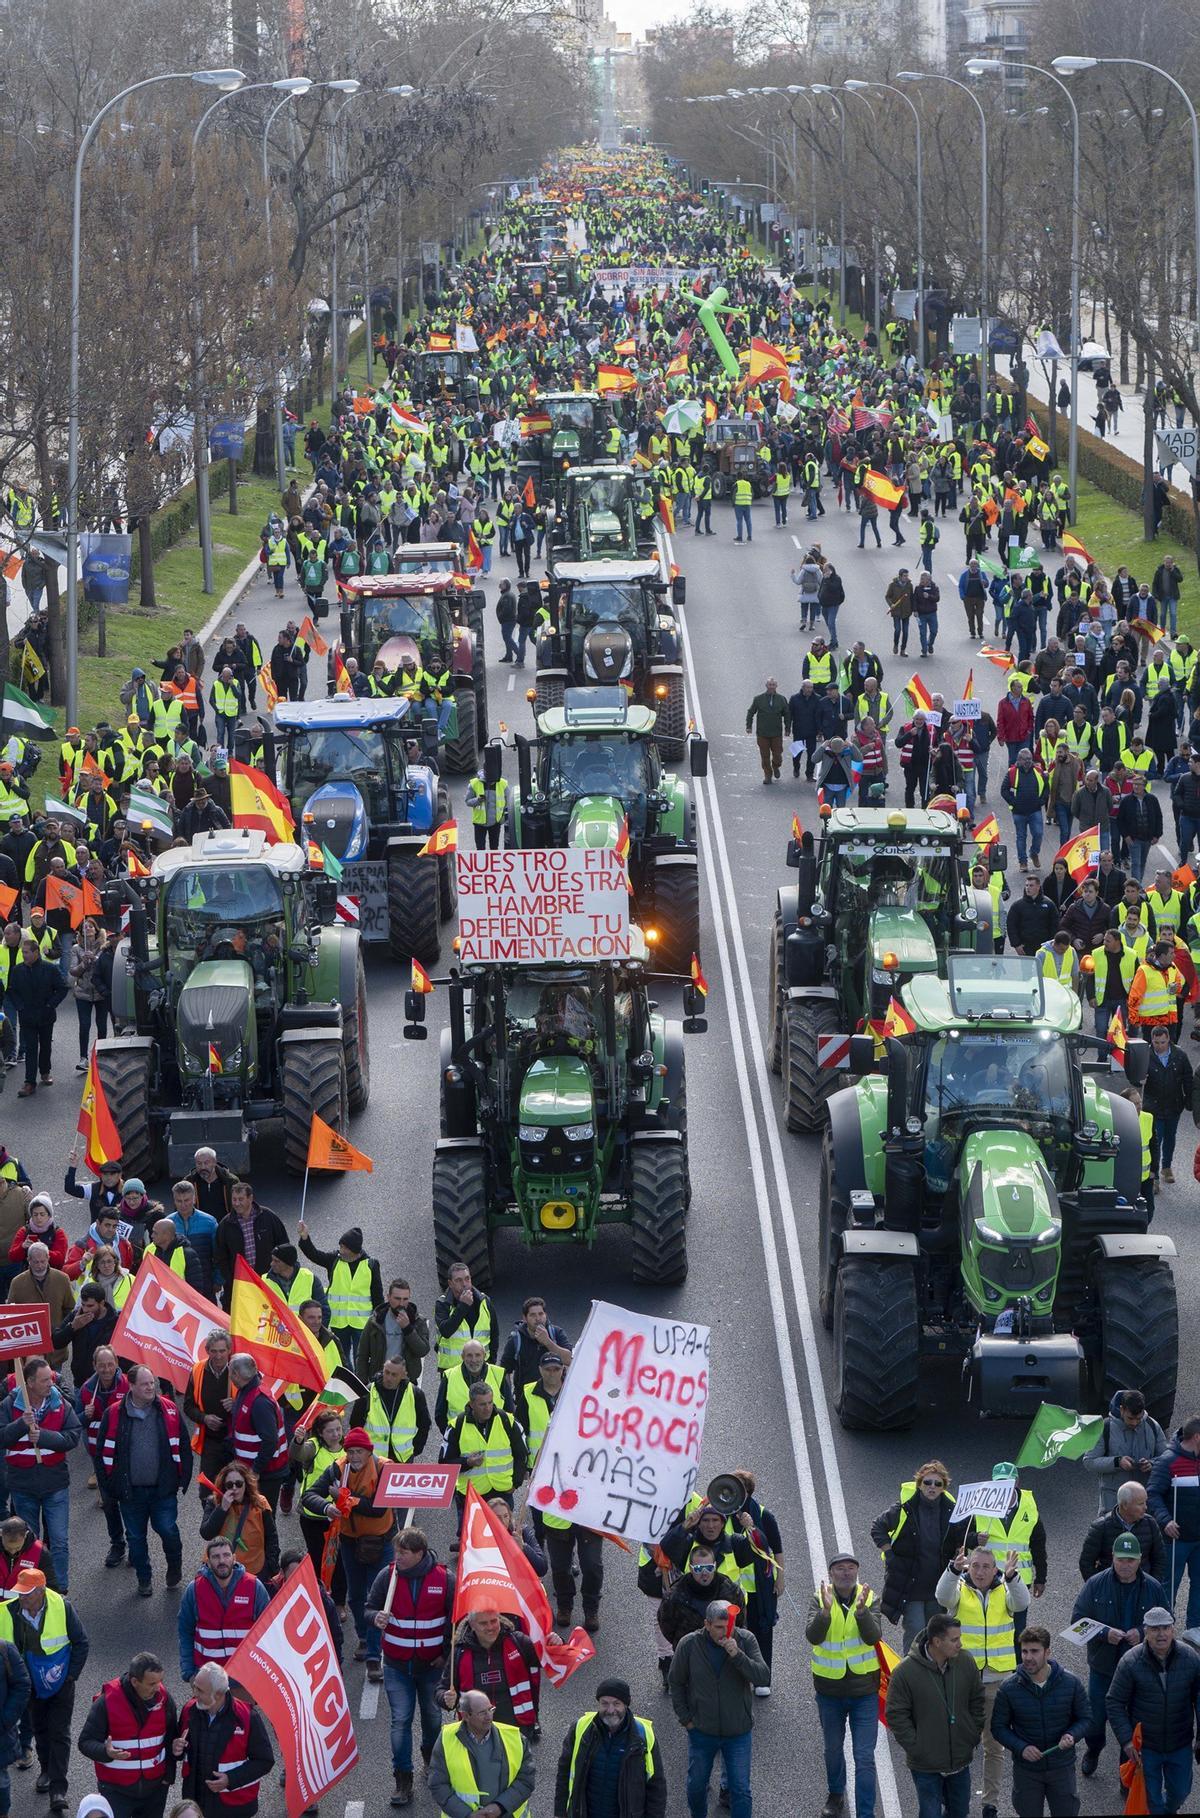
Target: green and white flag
(26,715)
(1058,1433)
(148,809)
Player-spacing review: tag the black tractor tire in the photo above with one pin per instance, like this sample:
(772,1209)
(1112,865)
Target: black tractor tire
(413,900)
(473,613)
(658,1214)
(548,692)
(479,676)
(462,751)
(447,866)
(833,1215)
(461,1232)
(676,917)
(313,1083)
(670,721)
(806,1086)
(775,994)
(356,1043)
(125,1075)
(1139,1333)
(722,485)
(877,1343)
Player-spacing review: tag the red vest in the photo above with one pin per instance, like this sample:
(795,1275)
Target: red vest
(235,1753)
(520,1688)
(222,1627)
(96,1405)
(416,1626)
(31,1554)
(112,1419)
(146,1743)
(23,1457)
(246,1442)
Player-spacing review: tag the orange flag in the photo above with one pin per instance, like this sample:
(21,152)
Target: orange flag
(8,898)
(313,638)
(530,493)
(79,900)
(95,1121)
(328,1148)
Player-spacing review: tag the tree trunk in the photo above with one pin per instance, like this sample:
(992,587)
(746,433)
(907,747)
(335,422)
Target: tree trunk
(146,591)
(233,500)
(264,442)
(1124,355)
(1148,450)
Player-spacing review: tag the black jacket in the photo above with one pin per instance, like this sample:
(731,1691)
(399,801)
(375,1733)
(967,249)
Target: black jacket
(681,1611)
(1031,922)
(171,1481)
(1102,1598)
(1161,1698)
(1140,818)
(900,1554)
(83,1342)
(804,710)
(269,1230)
(1095,1555)
(1168,1089)
(36,991)
(1025,1712)
(641,1783)
(372,1344)
(205,1744)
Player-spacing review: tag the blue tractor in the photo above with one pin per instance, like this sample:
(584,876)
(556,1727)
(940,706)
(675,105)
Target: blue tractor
(363,789)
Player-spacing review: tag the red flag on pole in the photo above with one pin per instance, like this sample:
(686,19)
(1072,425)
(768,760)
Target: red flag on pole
(494,1574)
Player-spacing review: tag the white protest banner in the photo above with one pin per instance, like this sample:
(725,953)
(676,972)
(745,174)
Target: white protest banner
(549,906)
(164,1323)
(967,710)
(288,1666)
(622,1451)
(991,1498)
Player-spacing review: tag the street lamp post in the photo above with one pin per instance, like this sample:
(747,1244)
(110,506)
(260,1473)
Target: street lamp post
(823,88)
(798,88)
(213,78)
(1070,66)
(852,83)
(931,75)
(981,66)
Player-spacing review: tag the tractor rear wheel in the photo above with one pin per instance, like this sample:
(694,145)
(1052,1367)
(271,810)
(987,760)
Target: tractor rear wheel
(658,1213)
(1139,1333)
(413,896)
(775,995)
(462,751)
(460,1214)
(676,916)
(479,674)
(313,1082)
(447,866)
(806,1085)
(670,721)
(833,1215)
(877,1342)
(548,692)
(356,1043)
(125,1074)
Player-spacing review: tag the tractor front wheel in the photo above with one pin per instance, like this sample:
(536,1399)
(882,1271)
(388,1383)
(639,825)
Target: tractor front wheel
(126,1075)
(670,720)
(462,751)
(313,1084)
(833,1215)
(658,1213)
(460,1214)
(1139,1333)
(413,908)
(676,917)
(356,1043)
(806,1084)
(877,1341)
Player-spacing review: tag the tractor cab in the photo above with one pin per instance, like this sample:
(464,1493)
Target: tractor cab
(414,625)
(603,513)
(611,619)
(440,374)
(598,768)
(577,421)
(731,447)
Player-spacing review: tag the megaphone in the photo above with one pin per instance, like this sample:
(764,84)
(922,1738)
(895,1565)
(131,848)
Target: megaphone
(726,1494)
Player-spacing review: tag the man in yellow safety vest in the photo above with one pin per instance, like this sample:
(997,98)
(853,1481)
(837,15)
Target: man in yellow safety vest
(476,1759)
(843,1626)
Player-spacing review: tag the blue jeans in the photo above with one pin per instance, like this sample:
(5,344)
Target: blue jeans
(781,505)
(1162,1147)
(703,1750)
(862,1714)
(1139,857)
(1062,814)
(143,1508)
(1189,831)
(359,1579)
(1168,616)
(927,625)
(1168,1778)
(943,1796)
(830,616)
(487,559)
(408,1687)
(48,1517)
(873,525)
(741,521)
(1097,1690)
(1185,1554)
(1029,828)
(981,770)
(5,1792)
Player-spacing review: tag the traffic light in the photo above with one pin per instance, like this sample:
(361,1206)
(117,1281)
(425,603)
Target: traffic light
(704,186)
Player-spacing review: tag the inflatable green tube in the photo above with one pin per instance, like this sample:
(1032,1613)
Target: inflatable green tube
(714,305)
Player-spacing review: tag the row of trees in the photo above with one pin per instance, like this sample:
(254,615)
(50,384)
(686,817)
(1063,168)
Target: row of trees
(1137,228)
(407,168)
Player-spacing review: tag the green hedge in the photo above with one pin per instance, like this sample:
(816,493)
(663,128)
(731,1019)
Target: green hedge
(1115,474)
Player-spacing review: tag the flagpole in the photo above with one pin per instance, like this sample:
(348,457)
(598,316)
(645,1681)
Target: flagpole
(304,1191)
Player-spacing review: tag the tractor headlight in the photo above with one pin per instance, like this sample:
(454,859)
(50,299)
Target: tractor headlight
(532,1133)
(1051,1235)
(988,1233)
(579,1133)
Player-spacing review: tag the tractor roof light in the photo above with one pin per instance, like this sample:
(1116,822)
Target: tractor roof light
(651,935)
(1087,963)
(891,962)
(897,818)
(825,811)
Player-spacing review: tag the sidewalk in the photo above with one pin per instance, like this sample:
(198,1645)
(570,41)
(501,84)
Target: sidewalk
(1128,437)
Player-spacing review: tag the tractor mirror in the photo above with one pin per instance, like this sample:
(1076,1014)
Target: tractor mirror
(999,858)
(326,894)
(414,1017)
(698,756)
(693,1000)
(243,744)
(346,629)
(679,590)
(695,1025)
(139,939)
(862,1055)
(429,737)
(1137,1062)
(793,855)
(493,765)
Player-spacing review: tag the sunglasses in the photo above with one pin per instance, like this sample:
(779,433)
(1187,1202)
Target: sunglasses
(933,1483)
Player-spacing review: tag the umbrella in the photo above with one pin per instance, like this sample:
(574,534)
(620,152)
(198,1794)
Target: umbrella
(684,418)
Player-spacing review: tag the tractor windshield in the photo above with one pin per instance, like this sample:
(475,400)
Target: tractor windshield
(223,911)
(569,413)
(880,876)
(609,764)
(546,1008)
(422,564)
(608,603)
(412,615)
(998,1073)
(341,754)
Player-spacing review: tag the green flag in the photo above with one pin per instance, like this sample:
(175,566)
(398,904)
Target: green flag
(30,719)
(1058,1433)
(333,866)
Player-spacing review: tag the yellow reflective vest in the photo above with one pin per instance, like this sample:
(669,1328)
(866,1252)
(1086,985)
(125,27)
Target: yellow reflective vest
(987,1626)
(1011,1536)
(462,1774)
(843,1649)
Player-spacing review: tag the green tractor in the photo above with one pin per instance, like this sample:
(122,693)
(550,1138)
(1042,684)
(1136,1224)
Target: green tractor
(607,514)
(883,899)
(980,1200)
(599,774)
(234,1001)
(563,1107)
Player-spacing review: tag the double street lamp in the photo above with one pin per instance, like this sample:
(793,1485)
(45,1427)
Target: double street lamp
(931,75)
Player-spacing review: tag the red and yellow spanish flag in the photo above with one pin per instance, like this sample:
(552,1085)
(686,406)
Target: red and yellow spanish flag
(474,552)
(341,675)
(666,512)
(1117,1037)
(265,1327)
(898,1021)
(1003,659)
(421,980)
(1081,854)
(797,829)
(1072,546)
(881,489)
(134,866)
(968,693)
(1146,629)
(710,409)
(440,343)
(443,839)
(535,423)
(214,1059)
(329,1149)
(888,1660)
(267,683)
(626,348)
(621,848)
(254,801)
(96,1123)
(766,362)
(987,832)
(918,694)
(615,381)
(677,368)
(698,978)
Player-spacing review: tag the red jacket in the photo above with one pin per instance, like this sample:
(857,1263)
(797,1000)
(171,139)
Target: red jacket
(55,1240)
(1014,721)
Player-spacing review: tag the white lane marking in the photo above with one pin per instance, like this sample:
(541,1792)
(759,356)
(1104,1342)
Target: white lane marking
(795,539)
(748,1056)
(512,682)
(355,1808)
(368,1704)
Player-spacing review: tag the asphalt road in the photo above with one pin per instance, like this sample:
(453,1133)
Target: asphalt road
(753,1220)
